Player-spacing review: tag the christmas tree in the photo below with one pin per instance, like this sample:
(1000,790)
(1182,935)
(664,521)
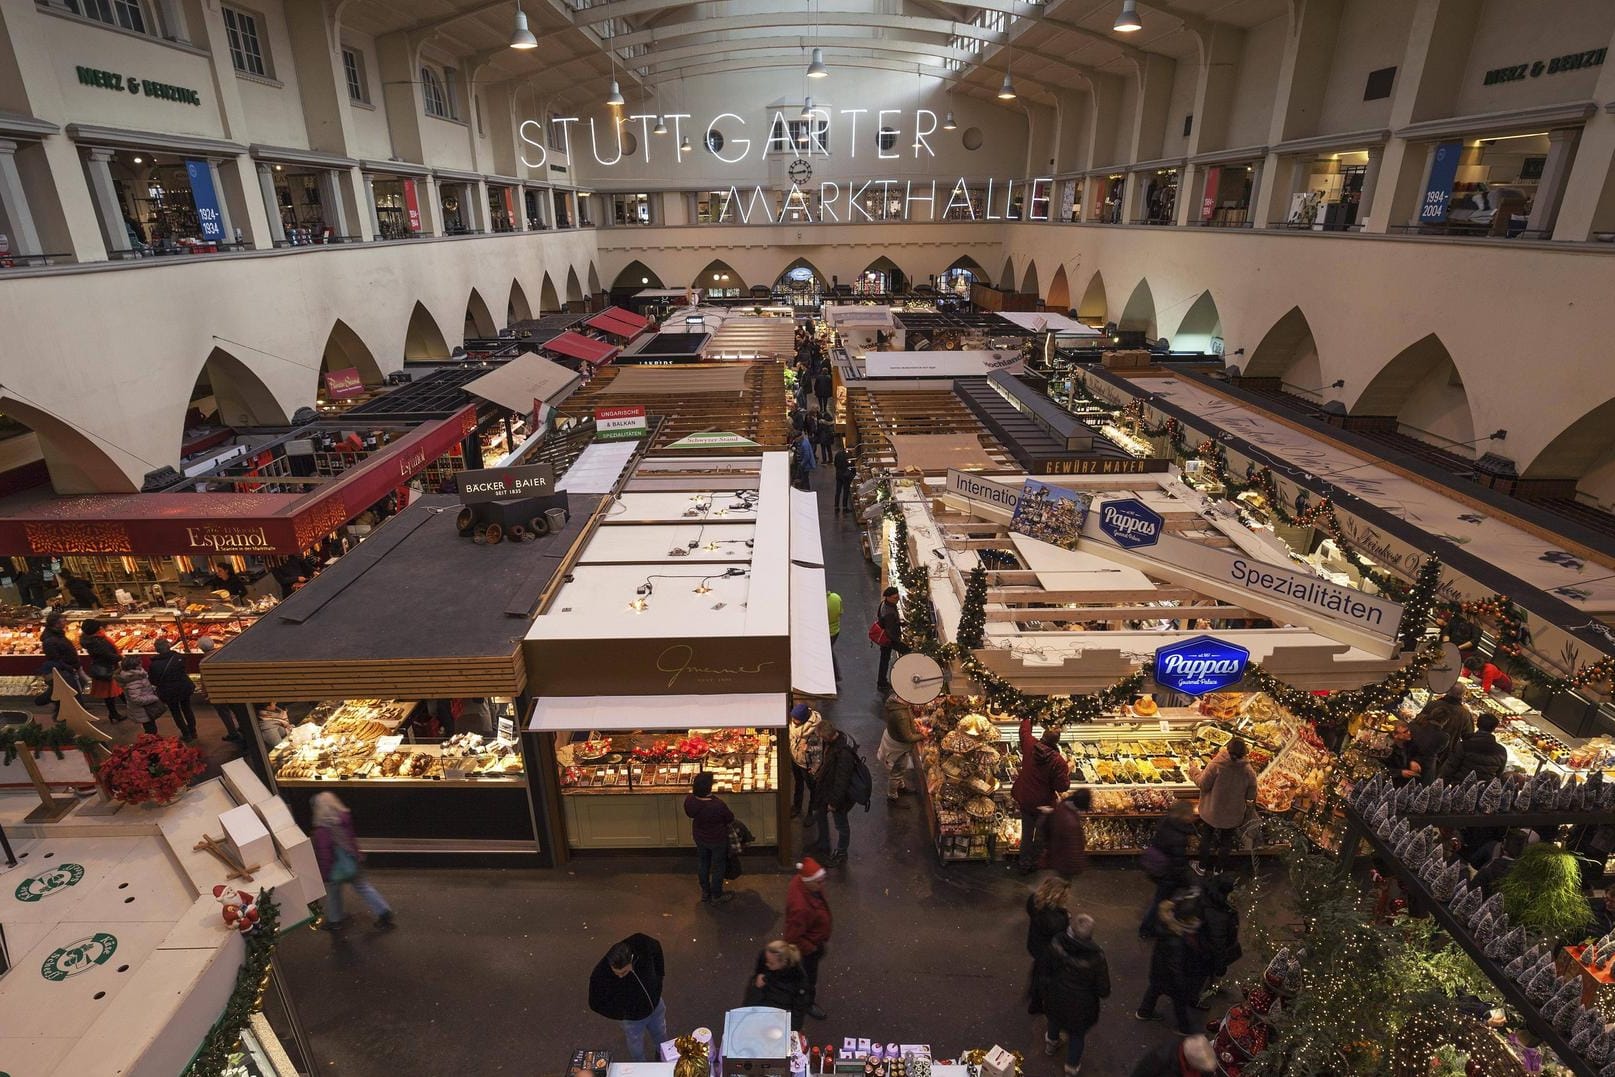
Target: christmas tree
(1420,604)
(973,616)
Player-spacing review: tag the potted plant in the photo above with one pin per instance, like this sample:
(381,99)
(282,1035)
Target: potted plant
(152,770)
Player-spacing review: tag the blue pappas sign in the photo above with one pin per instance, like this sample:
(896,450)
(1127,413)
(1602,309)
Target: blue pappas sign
(1130,523)
(1438,188)
(206,200)
(1200,665)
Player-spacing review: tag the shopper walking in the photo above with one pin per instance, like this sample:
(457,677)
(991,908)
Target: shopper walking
(823,389)
(60,656)
(824,439)
(1227,796)
(1219,933)
(808,924)
(1478,754)
(709,826)
(807,753)
(626,987)
(832,609)
(1449,713)
(80,591)
(1182,1059)
(896,751)
(832,792)
(1044,775)
(889,621)
(104,663)
(780,981)
(1075,981)
(805,461)
(1166,860)
(844,476)
(1046,917)
(138,690)
(1177,958)
(175,689)
(1066,831)
(336,849)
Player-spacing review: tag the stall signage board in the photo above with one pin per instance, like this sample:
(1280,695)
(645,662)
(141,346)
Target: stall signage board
(1050,514)
(342,384)
(1438,188)
(502,483)
(1208,204)
(718,439)
(1200,665)
(1130,523)
(206,200)
(412,205)
(975,488)
(136,86)
(620,423)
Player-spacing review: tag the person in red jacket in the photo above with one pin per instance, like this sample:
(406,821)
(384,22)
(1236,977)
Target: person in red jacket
(807,924)
(1044,775)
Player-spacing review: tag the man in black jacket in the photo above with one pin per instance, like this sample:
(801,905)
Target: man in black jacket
(832,792)
(1417,748)
(823,388)
(60,654)
(626,987)
(892,622)
(844,476)
(174,688)
(1478,753)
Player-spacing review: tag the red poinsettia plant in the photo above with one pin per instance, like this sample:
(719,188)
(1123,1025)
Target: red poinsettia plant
(152,770)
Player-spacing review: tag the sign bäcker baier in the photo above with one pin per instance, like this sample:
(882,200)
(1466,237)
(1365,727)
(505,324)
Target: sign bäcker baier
(611,424)
(1200,665)
(503,483)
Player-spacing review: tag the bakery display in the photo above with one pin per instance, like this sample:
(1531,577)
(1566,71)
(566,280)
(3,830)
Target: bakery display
(739,760)
(358,739)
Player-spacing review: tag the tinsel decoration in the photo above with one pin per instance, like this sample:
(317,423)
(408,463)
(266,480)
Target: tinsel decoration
(693,1060)
(1541,986)
(1516,969)
(213,1057)
(1509,945)
(973,614)
(1497,610)
(1447,881)
(1419,604)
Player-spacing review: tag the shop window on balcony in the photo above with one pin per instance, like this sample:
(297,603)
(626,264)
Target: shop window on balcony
(353,71)
(248,52)
(125,14)
(163,212)
(501,209)
(1502,187)
(435,94)
(630,209)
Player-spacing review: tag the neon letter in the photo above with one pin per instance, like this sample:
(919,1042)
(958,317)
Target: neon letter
(989,216)
(678,139)
(779,132)
(1047,185)
(594,143)
(909,200)
(745,143)
(827,206)
(852,132)
(960,197)
(852,199)
(880,131)
(801,199)
(920,133)
(543,154)
(566,133)
(819,133)
(644,126)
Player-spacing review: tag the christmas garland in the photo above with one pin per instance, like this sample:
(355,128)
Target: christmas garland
(1501,611)
(213,1058)
(38,738)
(1336,708)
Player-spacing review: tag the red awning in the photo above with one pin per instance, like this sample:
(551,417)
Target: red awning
(165,525)
(605,323)
(577,346)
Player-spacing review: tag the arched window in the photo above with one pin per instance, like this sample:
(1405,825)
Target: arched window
(435,94)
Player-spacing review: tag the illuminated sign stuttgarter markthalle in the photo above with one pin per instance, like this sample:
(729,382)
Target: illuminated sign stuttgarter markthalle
(839,202)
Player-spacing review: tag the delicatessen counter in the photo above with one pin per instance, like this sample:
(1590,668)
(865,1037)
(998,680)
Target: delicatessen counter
(132,632)
(1137,763)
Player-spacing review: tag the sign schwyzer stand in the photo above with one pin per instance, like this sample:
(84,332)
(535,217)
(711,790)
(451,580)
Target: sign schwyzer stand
(830,201)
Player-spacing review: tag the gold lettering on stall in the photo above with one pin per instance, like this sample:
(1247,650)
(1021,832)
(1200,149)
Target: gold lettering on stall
(221,540)
(677,660)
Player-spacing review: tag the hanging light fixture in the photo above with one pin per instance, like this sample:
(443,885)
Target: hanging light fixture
(1128,22)
(521,37)
(615,98)
(816,68)
(948,124)
(1006,92)
(684,147)
(661,126)
(807,108)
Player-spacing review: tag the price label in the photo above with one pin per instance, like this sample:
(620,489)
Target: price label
(1166,726)
(388,744)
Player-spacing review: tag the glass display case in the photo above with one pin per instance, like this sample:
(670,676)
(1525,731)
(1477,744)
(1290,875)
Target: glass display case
(376,740)
(134,632)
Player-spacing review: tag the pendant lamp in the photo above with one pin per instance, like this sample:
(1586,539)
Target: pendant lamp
(1006,92)
(521,37)
(615,98)
(661,126)
(1128,22)
(816,69)
(948,124)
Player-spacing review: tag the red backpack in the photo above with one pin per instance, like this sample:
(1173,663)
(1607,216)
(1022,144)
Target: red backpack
(878,636)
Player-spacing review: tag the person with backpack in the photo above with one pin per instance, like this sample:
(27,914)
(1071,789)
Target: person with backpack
(823,389)
(1073,979)
(805,730)
(1166,860)
(138,690)
(842,781)
(175,689)
(825,438)
(709,826)
(887,634)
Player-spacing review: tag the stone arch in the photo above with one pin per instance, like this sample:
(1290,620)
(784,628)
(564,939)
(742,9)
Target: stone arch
(517,309)
(231,394)
(344,350)
(1580,459)
(77,464)
(1006,276)
(896,279)
(423,339)
(1029,280)
(1059,298)
(803,263)
(574,289)
(1200,324)
(713,276)
(636,275)
(594,280)
(549,300)
(1139,313)
(1422,388)
(479,323)
(1094,308)
(1286,347)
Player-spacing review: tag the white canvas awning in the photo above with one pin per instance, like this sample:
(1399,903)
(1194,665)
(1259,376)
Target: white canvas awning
(812,667)
(807,547)
(521,381)
(562,714)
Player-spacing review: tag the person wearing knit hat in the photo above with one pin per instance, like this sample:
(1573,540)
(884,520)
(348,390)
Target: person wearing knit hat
(807,924)
(1190,1055)
(807,753)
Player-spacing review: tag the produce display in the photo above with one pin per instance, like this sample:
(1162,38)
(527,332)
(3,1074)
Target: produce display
(357,739)
(739,760)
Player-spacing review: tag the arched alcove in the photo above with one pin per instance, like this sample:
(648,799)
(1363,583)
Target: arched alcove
(635,275)
(1006,276)
(1059,297)
(423,339)
(1200,324)
(574,288)
(961,275)
(1094,308)
(884,275)
(517,309)
(719,278)
(594,280)
(1286,351)
(1422,388)
(77,465)
(1582,454)
(801,275)
(344,350)
(1139,313)
(479,323)
(1029,284)
(227,392)
(549,300)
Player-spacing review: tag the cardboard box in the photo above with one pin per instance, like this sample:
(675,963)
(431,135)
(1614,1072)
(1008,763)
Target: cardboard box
(243,784)
(247,833)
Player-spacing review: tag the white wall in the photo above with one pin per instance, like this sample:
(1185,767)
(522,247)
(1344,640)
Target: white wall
(1512,33)
(370,139)
(1185,79)
(1372,35)
(1253,91)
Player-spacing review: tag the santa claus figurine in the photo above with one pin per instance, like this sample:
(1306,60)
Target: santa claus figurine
(240,908)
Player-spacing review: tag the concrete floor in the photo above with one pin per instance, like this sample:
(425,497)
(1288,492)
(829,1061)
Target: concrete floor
(488,970)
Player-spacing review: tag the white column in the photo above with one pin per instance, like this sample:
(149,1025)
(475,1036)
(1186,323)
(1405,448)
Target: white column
(105,197)
(370,205)
(518,195)
(1550,189)
(1258,173)
(331,196)
(1365,205)
(481,219)
(266,184)
(14,204)
(218,196)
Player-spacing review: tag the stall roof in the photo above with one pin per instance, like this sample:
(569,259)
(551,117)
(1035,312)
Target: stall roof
(577,346)
(415,612)
(518,383)
(670,346)
(812,664)
(627,317)
(608,321)
(532,331)
(1040,320)
(661,293)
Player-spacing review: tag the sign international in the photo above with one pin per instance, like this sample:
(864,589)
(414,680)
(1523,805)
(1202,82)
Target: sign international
(1200,665)
(620,423)
(342,384)
(503,483)
(1130,523)
(975,488)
